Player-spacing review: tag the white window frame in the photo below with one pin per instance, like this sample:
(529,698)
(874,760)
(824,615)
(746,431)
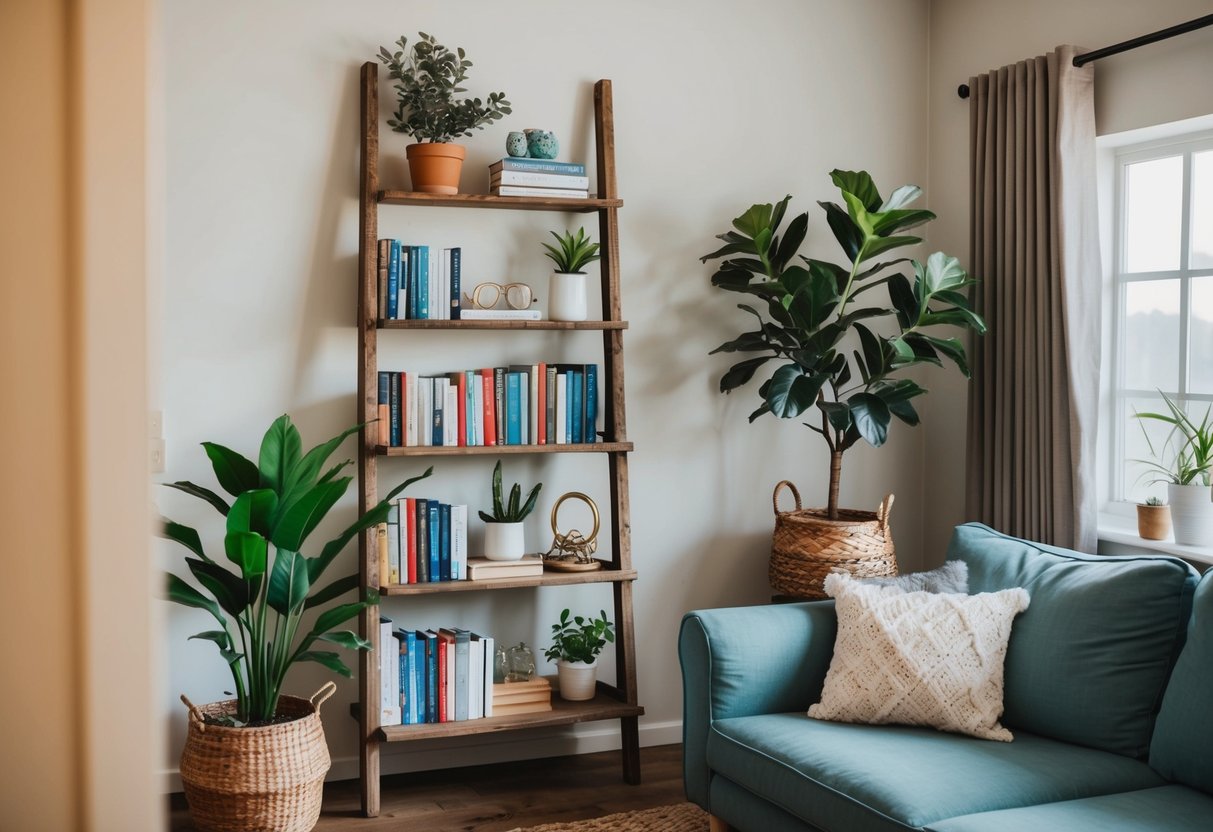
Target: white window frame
(1184,146)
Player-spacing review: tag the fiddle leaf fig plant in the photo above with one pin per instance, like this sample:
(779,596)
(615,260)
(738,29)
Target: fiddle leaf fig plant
(428,76)
(842,335)
(259,606)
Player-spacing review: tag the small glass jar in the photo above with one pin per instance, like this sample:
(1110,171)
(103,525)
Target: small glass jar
(520,663)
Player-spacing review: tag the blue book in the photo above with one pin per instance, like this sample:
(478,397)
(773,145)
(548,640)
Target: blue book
(591,403)
(419,676)
(455,267)
(413,717)
(402,293)
(538,166)
(576,405)
(513,408)
(568,406)
(393,278)
(438,435)
(471,381)
(435,541)
(410,283)
(444,541)
(394,408)
(423,541)
(402,646)
(385,402)
(423,282)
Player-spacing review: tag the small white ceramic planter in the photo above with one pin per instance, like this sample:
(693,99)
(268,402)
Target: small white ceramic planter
(504,541)
(567,296)
(1191,514)
(577,679)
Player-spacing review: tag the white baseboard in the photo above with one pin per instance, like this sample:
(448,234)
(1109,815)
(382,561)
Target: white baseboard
(398,758)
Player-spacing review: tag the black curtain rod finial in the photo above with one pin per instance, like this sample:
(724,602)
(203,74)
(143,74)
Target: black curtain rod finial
(963,90)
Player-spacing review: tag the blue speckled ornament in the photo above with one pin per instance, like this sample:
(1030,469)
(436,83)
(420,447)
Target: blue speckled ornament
(515,144)
(542,144)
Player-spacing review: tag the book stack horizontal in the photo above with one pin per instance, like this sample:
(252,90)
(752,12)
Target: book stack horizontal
(426,676)
(530,697)
(538,177)
(522,404)
(417,283)
(423,542)
(480,569)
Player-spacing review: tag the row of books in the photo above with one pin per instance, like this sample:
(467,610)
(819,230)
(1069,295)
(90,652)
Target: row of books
(417,284)
(423,541)
(523,404)
(538,177)
(426,676)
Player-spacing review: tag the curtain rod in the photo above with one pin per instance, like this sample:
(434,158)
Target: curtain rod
(1125,46)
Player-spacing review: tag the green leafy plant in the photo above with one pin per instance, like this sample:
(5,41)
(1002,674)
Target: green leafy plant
(574,252)
(579,639)
(278,503)
(1154,501)
(428,76)
(1186,455)
(512,510)
(809,307)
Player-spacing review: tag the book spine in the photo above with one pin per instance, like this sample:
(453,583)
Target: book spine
(402,675)
(518,190)
(591,402)
(499,402)
(456,283)
(393,542)
(394,407)
(410,399)
(461,408)
(439,399)
(449,637)
(500,315)
(442,680)
(431,677)
(435,542)
(385,569)
(384,425)
(562,408)
(459,542)
(411,638)
(533,412)
(468,414)
(536,179)
(454,413)
(541,165)
(423,542)
(549,404)
(382,264)
(486,695)
(393,279)
(475,677)
(442,301)
(410,512)
(574,407)
(541,405)
(488,411)
(408,264)
(444,541)
(419,677)
(423,281)
(512,409)
(462,641)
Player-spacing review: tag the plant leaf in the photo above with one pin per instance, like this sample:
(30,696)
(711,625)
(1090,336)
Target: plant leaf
(235,473)
(232,592)
(184,535)
(792,392)
(346,639)
(301,519)
(741,372)
(179,592)
(871,416)
(860,184)
(281,448)
(848,235)
(253,511)
(289,585)
(327,658)
(336,589)
(249,551)
(201,493)
(901,197)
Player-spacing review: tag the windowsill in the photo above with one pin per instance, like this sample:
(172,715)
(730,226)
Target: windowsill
(1121,532)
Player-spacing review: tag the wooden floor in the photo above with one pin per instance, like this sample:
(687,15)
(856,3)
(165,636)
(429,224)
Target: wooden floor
(499,797)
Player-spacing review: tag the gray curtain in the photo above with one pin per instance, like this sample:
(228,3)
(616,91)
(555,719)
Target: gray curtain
(1034,400)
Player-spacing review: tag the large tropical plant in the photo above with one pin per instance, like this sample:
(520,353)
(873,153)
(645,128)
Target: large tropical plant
(808,308)
(259,607)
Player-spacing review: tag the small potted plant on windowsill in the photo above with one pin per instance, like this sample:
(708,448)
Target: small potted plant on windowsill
(576,643)
(1153,519)
(503,533)
(567,288)
(427,78)
(1185,470)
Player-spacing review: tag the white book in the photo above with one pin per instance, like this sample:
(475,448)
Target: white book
(487,695)
(540,180)
(535,412)
(476,677)
(459,543)
(425,412)
(562,406)
(524,401)
(432,277)
(477,419)
(500,315)
(519,190)
(438,394)
(389,675)
(471,380)
(450,424)
(393,542)
(446,284)
(410,387)
(451,687)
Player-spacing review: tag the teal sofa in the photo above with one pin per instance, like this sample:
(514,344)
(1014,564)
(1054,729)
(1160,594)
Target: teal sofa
(1109,693)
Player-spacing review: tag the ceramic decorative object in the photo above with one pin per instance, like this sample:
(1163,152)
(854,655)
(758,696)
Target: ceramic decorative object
(1153,522)
(577,680)
(1191,513)
(520,663)
(567,297)
(542,144)
(504,541)
(515,144)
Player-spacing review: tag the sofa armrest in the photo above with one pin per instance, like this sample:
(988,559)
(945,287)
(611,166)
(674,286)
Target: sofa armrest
(745,661)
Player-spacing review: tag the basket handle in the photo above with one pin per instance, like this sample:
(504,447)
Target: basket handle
(775,496)
(195,714)
(882,513)
(326,690)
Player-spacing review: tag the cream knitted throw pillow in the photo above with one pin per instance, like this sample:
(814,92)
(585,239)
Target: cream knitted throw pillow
(917,658)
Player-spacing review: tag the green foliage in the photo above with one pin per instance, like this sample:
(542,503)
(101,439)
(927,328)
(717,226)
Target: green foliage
(259,607)
(1186,455)
(805,309)
(511,510)
(1154,501)
(427,78)
(579,639)
(574,251)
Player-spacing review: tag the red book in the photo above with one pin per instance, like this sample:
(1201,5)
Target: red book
(443,716)
(542,424)
(410,510)
(490,414)
(460,381)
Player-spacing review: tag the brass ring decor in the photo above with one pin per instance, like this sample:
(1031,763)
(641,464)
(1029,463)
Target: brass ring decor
(572,551)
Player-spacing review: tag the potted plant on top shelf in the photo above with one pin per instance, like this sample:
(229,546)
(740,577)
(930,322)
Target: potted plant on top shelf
(503,531)
(567,288)
(258,761)
(576,643)
(428,76)
(804,310)
(1184,462)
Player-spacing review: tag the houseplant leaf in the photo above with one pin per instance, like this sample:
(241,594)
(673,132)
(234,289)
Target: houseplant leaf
(235,473)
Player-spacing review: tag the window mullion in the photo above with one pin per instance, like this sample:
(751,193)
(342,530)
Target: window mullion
(1185,280)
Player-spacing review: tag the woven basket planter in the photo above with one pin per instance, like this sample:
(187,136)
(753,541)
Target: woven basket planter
(256,779)
(807,546)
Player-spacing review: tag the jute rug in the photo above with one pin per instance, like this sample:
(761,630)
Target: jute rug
(681,817)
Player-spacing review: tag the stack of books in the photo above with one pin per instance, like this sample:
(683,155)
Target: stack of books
(423,541)
(482,569)
(530,697)
(538,177)
(427,676)
(417,283)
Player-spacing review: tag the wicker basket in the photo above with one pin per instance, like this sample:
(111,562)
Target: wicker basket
(807,546)
(256,779)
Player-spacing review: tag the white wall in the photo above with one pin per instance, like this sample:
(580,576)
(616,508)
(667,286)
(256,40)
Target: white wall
(717,105)
(1159,83)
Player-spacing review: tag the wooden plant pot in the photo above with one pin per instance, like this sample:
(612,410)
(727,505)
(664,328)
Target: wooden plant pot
(252,779)
(435,167)
(1154,522)
(807,546)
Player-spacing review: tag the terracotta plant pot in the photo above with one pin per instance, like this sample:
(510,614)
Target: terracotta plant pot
(435,166)
(1154,522)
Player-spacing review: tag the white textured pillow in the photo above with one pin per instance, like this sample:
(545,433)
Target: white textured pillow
(919,658)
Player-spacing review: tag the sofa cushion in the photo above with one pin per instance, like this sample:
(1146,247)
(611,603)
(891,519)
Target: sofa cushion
(841,776)
(1170,808)
(1088,661)
(953,576)
(1183,734)
(918,658)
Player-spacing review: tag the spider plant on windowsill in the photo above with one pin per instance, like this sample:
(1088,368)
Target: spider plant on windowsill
(1184,461)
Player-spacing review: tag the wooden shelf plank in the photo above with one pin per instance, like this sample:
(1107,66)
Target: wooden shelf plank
(493,450)
(589,325)
(605,575)
(600,707)
(512,203)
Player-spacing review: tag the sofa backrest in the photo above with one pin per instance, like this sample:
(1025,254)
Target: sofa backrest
(1089,660)
(1183,734)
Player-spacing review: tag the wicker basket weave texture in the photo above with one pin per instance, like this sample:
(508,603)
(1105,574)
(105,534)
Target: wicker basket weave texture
(267,779)
(807,546)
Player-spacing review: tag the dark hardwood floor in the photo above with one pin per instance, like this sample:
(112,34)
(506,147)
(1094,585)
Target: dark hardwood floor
(499,797)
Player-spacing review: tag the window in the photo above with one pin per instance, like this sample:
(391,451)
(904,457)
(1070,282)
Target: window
(1162,327)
